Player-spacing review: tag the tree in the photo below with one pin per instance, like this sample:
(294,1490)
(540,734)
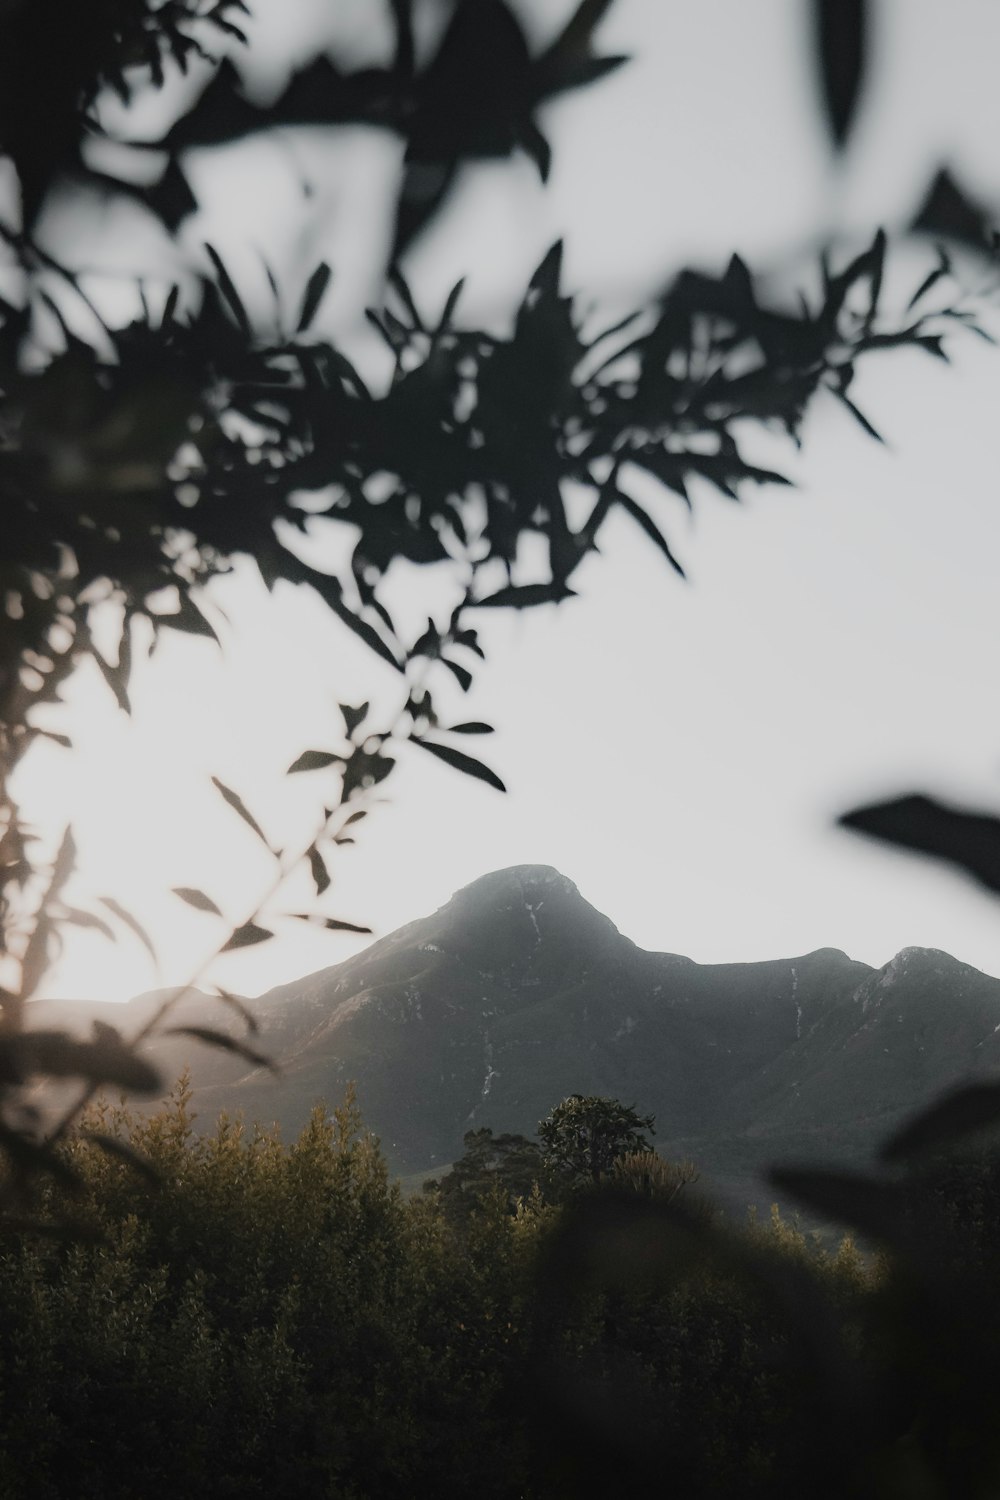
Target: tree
(508,1163)
(584,1136)
(139,459)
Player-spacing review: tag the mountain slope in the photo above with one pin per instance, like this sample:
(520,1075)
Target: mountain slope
(518,992)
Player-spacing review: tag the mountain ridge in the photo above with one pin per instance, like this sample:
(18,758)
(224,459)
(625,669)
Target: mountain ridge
(518,992)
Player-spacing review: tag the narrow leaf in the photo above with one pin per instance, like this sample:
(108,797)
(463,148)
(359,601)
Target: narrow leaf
(462,762)
(314,760)
(134,926)
(242,1009)
(651,529)
(320,873)
(237,804)
(228,290)
(970,840)
(472,727)
(334,924)
(959,1113)
(246,936)
(196,898)
(315,291)
(840,34)
(225,1042)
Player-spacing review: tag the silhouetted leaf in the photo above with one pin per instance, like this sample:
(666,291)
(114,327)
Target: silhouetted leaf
(196,898)
(334,924)
(134,926)
(236,803)
(79,918)
(869,1204)
(320,873)
(959,1113)
(840,27)
(353,716)
(858,416)
(461,762)
(56,1054)
(472,727)
(970,840)
(315,291)
(525,596)
(461,674)
(190,618)
(225,1043)
(314,760)
(124,1151)
(949,210)
(229,292)
(651,529)
(943,268)
(246,936)
(240,1007)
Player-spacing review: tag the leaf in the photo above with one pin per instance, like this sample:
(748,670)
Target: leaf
(970,840)
(196,898)
(840,35)
(858,415)
(353,716)
(525,596)
(472,727)
(314,760)
(189,618)
(236,803)
(461,762)
(241,1008)
(56,1054)
(225,1043)
(461,674)
(113,1145)
(958,1113)
(867,1203)
(943,268)
(451,303)
(320,873)
(134,926)
(651,529)
(79,918)
(334,924)
(246,936)
(315,291)
(229,293)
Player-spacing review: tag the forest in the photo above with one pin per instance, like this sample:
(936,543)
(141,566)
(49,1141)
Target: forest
(255,1318)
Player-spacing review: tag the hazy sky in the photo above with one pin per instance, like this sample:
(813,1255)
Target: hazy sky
(677,750)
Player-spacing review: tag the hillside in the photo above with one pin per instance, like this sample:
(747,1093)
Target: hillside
(518,992)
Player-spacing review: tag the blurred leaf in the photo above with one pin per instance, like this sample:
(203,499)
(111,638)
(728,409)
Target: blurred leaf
(959,1113)
(196,898)
(124,1151)
(320,873)
(353,716)
(225,1043)
(246,936)
(943,268)
(949,210)
(651,529)
(314,760)
(840,31)
(869,1204)
(461,762)
(134,926)
(242,1009)
(56,1054)
(970,840)
(858,415)
(315,291)
(525,596)
(236,803)
(472,727)
(334,924)
(228,289)
(79,918)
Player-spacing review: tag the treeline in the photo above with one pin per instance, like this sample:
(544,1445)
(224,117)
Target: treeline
(278,1320)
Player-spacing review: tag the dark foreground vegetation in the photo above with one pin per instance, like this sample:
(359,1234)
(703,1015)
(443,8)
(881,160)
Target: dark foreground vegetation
(278,1320)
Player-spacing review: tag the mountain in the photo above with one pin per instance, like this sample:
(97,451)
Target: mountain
(518,992)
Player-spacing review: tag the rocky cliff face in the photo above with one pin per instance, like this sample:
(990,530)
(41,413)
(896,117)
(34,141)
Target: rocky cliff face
(518,992)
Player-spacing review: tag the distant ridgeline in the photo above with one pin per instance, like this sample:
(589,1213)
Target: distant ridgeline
(518,993)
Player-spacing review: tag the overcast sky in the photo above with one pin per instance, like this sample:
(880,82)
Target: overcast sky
(677,750)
